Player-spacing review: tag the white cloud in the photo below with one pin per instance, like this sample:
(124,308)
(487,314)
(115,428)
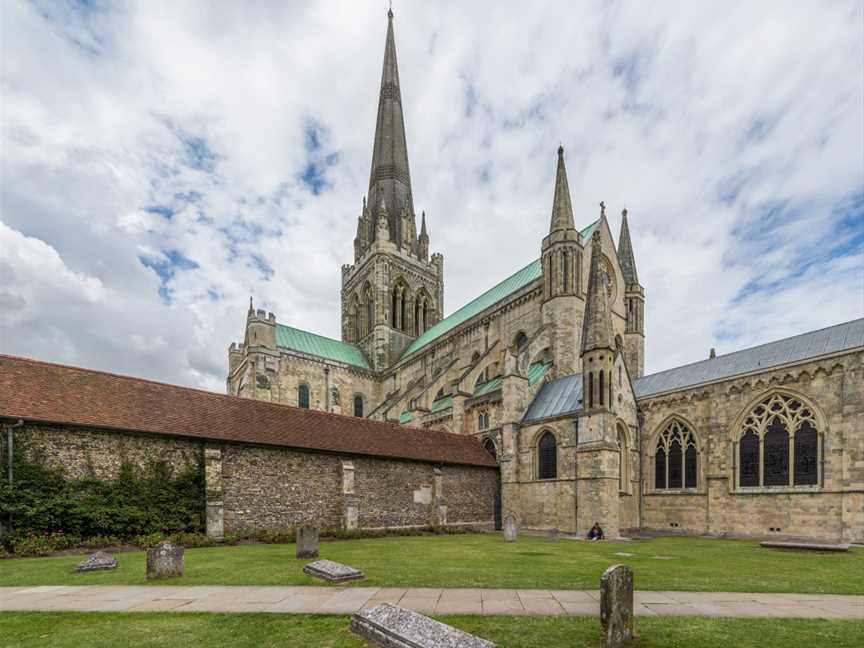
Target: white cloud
(175,132)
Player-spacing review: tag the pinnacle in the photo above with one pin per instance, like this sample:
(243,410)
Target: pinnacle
(597,330)
(562,210)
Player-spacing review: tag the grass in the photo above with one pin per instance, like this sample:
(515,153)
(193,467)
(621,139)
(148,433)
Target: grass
(165,629)
(485,560)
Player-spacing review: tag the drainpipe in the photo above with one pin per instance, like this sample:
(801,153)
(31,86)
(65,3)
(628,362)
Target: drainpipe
(9,446)
(640,421)
(326,389)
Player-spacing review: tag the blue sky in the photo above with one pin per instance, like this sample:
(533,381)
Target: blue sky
(162,161)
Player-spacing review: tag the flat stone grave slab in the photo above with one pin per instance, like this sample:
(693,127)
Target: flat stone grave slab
(804,546)
(97,562)
(332,572)
(391,626)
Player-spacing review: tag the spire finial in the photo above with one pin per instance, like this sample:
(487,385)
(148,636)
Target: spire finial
(624,212)
(390,11)
(251,310)
(562,210)
(560,150)
(602,209)
(625,253)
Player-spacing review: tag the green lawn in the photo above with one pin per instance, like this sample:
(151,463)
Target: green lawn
(485,560)
(163,629)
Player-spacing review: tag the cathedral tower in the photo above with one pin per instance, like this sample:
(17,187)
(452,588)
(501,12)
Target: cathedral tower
(393,292)
(562,276)
(597,453)
(634,303)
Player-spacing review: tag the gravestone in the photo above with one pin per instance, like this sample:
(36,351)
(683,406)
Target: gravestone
(391,626)
(307,541)
(616,606)
(511,528)
(164,561)
(332,572)
(554,534)
(96,562)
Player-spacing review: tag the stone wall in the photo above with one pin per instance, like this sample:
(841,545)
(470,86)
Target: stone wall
(831,510)
(256,487)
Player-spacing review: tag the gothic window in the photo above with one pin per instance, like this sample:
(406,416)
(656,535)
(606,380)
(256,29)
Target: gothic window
(547,457)
(368,319)
(356,314)
(358,405)
(521,342)
(749,447)
(779,444)
(676,457)
(566,271)
(622,460)
(776,442)
(483,420)
(489,445)
(806,451)
(303,396)
(399,298)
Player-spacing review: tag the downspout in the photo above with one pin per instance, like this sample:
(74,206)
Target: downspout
(326,389)
(10,446)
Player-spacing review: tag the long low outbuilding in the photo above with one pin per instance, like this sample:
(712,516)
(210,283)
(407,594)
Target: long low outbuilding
(267,465)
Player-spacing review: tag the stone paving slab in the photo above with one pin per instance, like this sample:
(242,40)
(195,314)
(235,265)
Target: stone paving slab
(347,600)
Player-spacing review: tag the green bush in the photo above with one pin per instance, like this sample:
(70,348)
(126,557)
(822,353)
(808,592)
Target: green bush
(101,542)
(139,502)
(31,545)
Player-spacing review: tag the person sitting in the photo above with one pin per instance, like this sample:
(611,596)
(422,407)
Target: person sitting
(596,533)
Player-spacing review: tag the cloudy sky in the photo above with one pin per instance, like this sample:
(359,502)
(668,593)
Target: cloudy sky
(163,160)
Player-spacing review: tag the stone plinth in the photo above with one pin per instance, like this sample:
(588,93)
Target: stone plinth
(394,627)
(307,541)
(616,606)
(165,560)
(511,528)
(96,562)
(332,572)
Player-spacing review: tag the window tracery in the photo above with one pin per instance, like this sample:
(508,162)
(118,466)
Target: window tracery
(676,457)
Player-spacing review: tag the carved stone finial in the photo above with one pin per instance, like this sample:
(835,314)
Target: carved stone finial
(251,310)
(602,209)
(624,212)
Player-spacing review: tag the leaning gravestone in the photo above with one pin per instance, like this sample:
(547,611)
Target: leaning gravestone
(511,528)
(616,606)
(164,561)
(391,626)
(307,541)
(96,562)
(332,572)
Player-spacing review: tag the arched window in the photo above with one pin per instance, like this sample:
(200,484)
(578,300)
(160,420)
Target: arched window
(483,420)
(399,298)
(779,444)
(622,460)
(303,396)
(547,457)
(421,312)
(356,314)
(358,405)
(368,310)
(521,342)
(489,445)
(676,462)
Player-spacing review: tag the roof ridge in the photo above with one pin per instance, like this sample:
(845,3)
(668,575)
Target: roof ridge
(259,403)
(757,346)
(318,335)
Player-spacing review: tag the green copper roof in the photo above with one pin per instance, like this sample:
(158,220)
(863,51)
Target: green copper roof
(405,417)
(442,404)
(318,345)
(510,285)
(536,371)
(488,386)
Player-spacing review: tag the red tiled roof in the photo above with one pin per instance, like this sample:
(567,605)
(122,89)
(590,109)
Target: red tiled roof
(51,393)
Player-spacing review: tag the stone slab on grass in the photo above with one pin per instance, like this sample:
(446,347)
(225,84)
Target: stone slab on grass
(332,572)
(804,546)
(97,562)
(394,627)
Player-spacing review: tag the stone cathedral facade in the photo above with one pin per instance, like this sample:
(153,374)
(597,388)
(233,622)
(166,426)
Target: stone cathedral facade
(547,369)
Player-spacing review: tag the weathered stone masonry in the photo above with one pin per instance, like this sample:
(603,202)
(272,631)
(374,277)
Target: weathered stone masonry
(251,487)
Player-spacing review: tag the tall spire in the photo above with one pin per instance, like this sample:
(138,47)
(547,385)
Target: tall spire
(597,326)
(562,210)
(625,253)
(389,176)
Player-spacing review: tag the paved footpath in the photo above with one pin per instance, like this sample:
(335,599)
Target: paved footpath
(346,600)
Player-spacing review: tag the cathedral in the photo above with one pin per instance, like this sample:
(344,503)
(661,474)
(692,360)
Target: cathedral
(546,370)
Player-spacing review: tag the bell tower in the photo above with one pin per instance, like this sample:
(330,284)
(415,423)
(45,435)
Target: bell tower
(393,292)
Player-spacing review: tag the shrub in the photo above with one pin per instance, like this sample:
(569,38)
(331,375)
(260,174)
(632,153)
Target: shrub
(101,542)
(141,501)
(31,545)
(190,540)
(149,540)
